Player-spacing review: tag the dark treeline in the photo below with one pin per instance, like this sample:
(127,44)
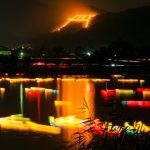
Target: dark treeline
(116,50)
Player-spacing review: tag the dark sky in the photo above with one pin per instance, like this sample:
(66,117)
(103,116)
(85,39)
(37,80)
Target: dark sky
(21,20)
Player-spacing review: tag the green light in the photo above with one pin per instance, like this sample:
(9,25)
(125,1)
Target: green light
(21,54)
(21,97)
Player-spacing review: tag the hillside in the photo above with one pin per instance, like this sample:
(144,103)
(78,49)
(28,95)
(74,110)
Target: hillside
(132,25)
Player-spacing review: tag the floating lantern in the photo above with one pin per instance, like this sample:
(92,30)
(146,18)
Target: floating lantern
(107,94)
(68,121)
(2,92)
(140,90)
(124,93)
(146,95)
(135,103)
(117,76)
(18,122)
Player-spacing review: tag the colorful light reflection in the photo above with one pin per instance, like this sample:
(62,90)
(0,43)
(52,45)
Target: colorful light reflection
(77,92)
(135,103)
(140,90)
(68,121)
(20,123)
(124,93)
(146,95)
(138,127)
(2,92)
(38,92)
(128,80)
(107,94)
(21,97)
(111,130)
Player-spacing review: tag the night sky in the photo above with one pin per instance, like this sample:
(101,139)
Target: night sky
(23,19)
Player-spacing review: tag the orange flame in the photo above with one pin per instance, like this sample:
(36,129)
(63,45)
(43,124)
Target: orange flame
(85,19)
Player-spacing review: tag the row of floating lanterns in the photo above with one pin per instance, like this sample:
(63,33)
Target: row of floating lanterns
(99,127)
(105,95)
(19,79)
(128,94)
(145,92)
(102,128)
(20,123)
(16,80)
(72,121)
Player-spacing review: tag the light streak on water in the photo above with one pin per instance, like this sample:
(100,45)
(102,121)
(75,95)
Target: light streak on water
(20,123)
(125,93)
(146,95)
(135,103)
(2,92)
(21,97)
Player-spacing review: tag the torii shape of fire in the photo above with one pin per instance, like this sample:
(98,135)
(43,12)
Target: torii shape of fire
(85,19)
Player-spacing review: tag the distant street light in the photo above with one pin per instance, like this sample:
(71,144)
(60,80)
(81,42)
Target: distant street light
(88,54)
(21,54)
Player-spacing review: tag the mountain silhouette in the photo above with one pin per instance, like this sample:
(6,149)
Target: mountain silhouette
(132,25)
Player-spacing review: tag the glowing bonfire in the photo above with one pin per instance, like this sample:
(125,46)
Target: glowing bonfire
(84,19)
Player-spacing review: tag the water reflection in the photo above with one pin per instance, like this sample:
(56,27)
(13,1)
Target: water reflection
(68,101)
(18,122)
(2,92)
(39,94)
(76,92)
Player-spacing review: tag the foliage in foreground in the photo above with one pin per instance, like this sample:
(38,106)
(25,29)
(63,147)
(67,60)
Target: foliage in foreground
(88,139)
(97,135)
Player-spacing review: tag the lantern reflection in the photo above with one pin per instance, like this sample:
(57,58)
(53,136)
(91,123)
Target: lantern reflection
(2,92)
(66,122)
(146,95)
(38,94)
(62,103)
(18,122)
(125,94)
(21,97)
(131,83)
(16,80)
(76,92)
(118,76)
(75,102)
(105,128)
(128,80)
(111,130)
(140,90)
(44,80)
(135,103)
(107,94)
